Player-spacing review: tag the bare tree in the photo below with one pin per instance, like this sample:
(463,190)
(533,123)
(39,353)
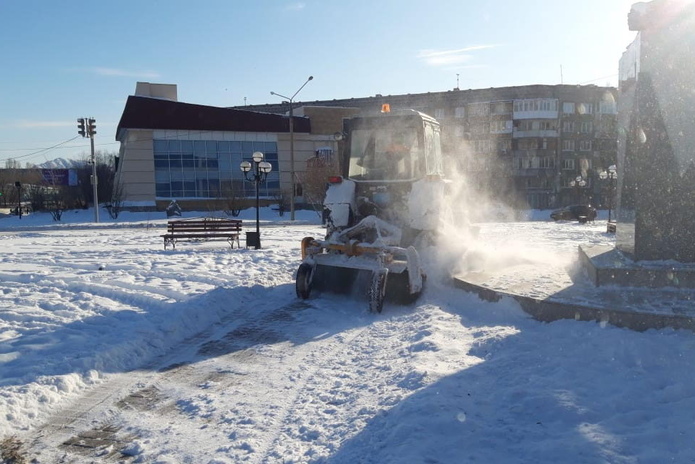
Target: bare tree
(232,198)
(56,203)
(315,180)
(37,196)
(282,200)
(106,172)
(115,206)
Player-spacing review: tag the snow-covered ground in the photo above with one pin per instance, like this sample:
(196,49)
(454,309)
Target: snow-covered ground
(112,348)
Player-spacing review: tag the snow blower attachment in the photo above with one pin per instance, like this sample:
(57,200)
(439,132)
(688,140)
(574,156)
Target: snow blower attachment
(344,264)
(383,206)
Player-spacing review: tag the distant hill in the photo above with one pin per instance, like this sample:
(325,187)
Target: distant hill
(61,163)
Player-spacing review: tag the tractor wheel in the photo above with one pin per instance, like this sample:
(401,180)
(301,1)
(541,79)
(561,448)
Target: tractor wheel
(305,274)
(398,289)
(377,290)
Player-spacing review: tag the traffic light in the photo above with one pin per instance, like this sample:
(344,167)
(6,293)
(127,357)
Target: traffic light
(80,127)
(92,127)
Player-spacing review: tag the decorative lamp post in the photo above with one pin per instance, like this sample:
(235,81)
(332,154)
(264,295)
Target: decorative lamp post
(291,101)
(257,173)
(611,174)
(18,184)
(579,183)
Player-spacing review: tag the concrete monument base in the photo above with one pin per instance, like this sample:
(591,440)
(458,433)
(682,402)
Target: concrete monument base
(609,266)
(601,286)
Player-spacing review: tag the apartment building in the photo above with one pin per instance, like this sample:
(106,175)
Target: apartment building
(538,146)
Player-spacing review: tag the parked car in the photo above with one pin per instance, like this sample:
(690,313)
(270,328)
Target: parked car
(580,213)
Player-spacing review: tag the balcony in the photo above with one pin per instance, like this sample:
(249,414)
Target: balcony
(534,133)
(536,114)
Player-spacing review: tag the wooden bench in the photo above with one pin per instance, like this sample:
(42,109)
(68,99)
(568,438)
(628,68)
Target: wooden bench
(202,229)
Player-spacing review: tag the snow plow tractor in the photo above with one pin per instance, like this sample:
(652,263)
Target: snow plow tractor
(383,207)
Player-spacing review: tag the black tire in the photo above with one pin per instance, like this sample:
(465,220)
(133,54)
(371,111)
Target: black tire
(377,290)
(305,275)
(398,290)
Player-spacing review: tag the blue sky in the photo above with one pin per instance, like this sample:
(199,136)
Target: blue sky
(67,59)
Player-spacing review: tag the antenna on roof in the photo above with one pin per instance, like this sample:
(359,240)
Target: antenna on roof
(561,82)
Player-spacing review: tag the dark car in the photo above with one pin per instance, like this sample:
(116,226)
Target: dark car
(581,213)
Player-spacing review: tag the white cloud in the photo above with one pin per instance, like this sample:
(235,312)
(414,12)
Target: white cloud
(450,57)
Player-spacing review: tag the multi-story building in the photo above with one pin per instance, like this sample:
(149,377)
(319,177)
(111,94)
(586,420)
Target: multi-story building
(524,145)
(528,144)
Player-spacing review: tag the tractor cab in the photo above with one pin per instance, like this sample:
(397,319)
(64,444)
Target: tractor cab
(392,148)
(385,158)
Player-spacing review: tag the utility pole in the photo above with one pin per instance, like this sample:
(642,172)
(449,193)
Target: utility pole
(88,131)
(292,173)
(18,184)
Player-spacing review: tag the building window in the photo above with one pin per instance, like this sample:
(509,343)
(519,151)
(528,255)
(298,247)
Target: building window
(568,164)
(324,156)
(547,162)
(209,169)
(586,127)
(439,113)
(482,146)
(585,145)
(607,107)
(586,108)
(539,104)
(528,144)
(568,127)
(548,105)
(568,145)
(568,107)
(500,126)
(460,112)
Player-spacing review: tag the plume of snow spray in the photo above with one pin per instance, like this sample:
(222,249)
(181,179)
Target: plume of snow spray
(466,206)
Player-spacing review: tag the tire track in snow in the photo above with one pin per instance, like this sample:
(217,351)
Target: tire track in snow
(101,407)
(359,375)
(314,365)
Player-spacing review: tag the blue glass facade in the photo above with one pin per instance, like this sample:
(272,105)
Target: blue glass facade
(210,169)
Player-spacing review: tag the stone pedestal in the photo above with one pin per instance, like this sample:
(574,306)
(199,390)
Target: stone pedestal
(656,154)
(609,266)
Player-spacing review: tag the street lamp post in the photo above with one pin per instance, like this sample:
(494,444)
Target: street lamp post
(579,183)
(257,173)
(18,184)
(611,174)
(292,175)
